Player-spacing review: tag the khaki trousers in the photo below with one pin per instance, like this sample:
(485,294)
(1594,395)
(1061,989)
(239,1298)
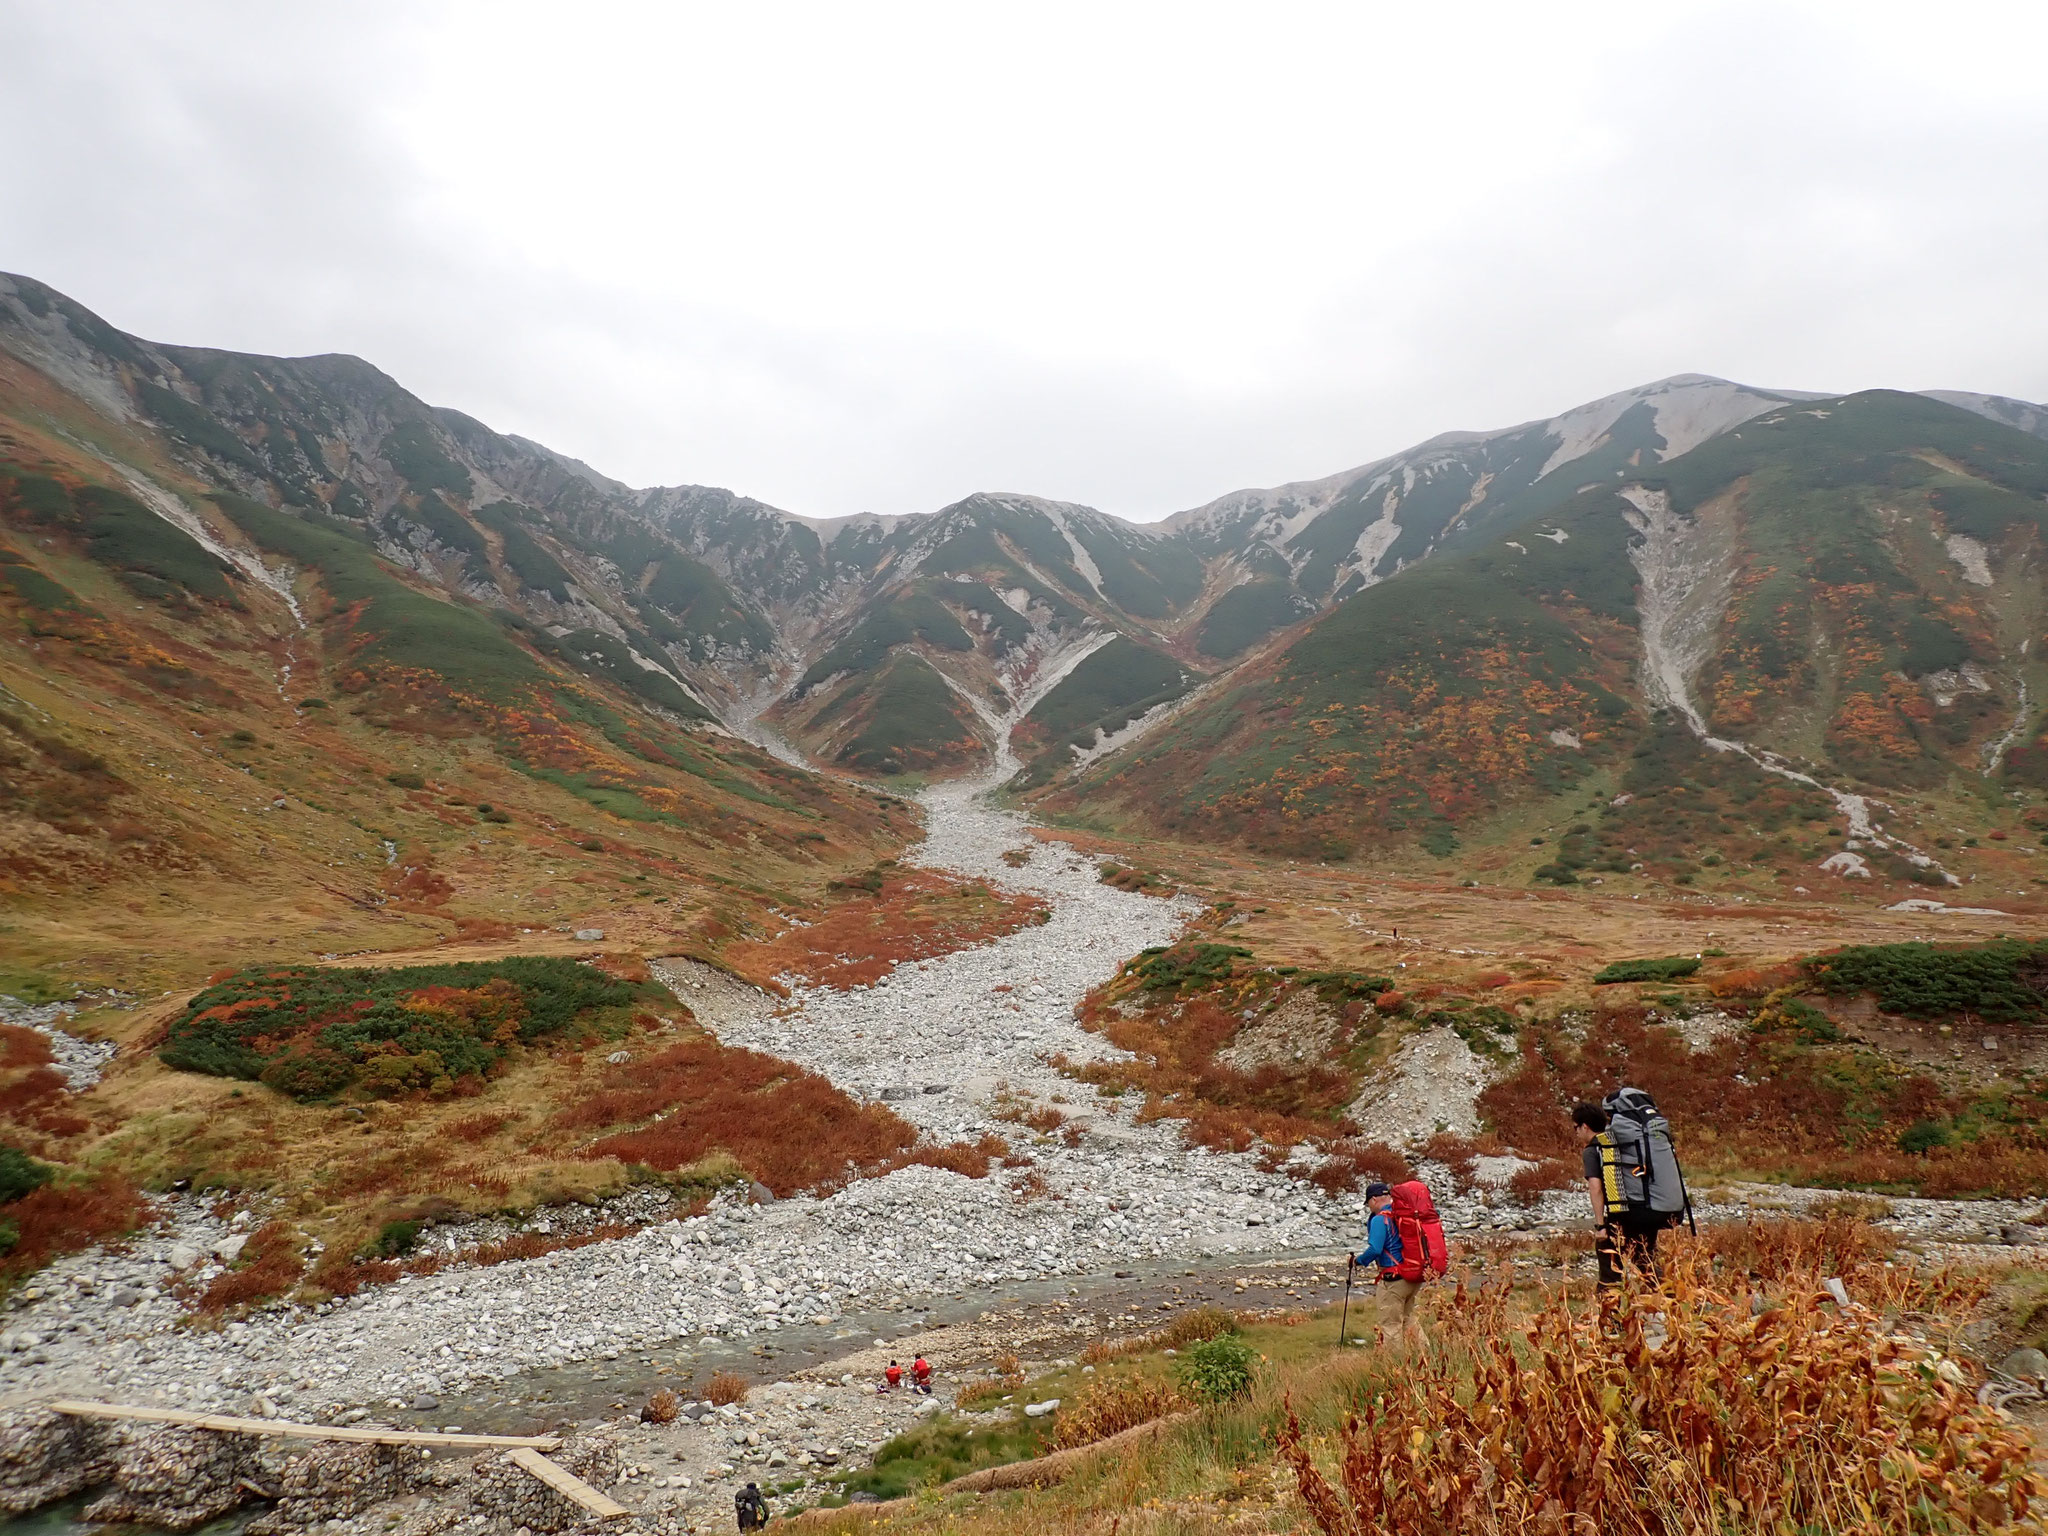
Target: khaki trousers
(1396,1303)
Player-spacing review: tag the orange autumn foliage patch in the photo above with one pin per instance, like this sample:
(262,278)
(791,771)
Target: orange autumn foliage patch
(905,915)
(64,1217)
(789,1128)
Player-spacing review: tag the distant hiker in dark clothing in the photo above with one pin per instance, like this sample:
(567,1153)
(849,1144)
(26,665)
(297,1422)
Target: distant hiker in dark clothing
(1627,1228)
(751,1508)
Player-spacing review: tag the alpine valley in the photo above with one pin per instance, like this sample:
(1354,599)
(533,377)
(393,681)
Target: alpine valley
(480,941)
(1795,636)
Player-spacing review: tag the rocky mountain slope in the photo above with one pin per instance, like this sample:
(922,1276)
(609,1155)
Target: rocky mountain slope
(1808,646)
(1006,624)
(266,692)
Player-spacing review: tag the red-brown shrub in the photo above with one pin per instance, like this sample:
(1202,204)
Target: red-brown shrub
(23,1047)
(1527,1185)
(478,1127)
(1460,1155)
(270,1267)
(1753,981)
(1351,1164)
(65,1216)
(789,1128)
(904,915)
(971,1159)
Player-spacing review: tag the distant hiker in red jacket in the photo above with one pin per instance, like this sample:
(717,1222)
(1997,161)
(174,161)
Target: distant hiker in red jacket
(894,1375)
(921,1375)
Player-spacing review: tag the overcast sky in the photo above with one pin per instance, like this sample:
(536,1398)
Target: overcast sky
(874,257)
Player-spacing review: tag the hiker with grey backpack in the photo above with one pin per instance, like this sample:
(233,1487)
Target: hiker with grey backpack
(1633,1180)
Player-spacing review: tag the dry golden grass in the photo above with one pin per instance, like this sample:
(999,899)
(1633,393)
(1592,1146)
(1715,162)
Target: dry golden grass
(1675,1413)
(1791,1393)
(725,1388)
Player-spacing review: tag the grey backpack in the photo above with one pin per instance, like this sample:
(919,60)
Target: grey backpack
(1642,1142)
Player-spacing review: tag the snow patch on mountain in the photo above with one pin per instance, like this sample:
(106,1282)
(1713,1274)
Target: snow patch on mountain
(1972,556)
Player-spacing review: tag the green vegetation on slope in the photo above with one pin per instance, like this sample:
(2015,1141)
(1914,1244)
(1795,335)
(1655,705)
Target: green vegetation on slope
(2005,980)
(916,617)
(1427,697)
(313,1033)
(412,450)
(1246,614)
(393,625)
(536,569)
(1110,688)
(910,721)
(603,655)
(152,556)
(692,594)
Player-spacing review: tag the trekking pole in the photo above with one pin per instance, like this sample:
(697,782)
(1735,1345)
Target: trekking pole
(1343,1322)
(1685,1190)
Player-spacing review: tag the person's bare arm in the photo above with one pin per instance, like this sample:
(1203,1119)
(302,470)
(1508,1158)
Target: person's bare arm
(1598,1196)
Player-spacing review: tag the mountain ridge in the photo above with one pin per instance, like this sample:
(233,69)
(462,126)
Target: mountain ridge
(739,604)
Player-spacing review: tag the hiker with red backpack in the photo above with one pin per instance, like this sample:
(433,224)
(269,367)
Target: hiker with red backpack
(1405,1239)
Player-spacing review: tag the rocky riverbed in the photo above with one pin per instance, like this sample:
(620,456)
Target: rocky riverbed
(950,1043)
(947,1041)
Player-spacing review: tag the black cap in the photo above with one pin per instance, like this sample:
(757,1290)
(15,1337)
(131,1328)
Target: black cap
(1374,1191)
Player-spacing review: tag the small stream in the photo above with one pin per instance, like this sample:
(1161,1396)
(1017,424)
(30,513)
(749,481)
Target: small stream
(538,1401)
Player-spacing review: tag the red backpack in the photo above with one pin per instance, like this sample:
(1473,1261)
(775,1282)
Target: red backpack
(1424,1252)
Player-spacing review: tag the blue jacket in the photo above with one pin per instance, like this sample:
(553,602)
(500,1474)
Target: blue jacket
(1382,1242)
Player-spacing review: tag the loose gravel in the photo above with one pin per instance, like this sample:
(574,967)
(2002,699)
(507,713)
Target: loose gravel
(946,1042)
(78,1062)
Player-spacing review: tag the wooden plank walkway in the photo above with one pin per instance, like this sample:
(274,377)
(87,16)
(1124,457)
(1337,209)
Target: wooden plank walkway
(567,1484)
(228,1424)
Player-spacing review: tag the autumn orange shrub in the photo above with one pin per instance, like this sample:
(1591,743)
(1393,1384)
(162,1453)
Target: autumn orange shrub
(1352,1163)
(1460,1155)
(1798,1418)
(790,1128)
(890,917)
(66,1216)
(725,1387)
(270,1266)
(478,1127)
(1111,1404)
(972,1159)
(1529,1184)
(661,1408)
(1754,981)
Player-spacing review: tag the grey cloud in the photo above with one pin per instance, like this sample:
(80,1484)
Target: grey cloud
(1757,199)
